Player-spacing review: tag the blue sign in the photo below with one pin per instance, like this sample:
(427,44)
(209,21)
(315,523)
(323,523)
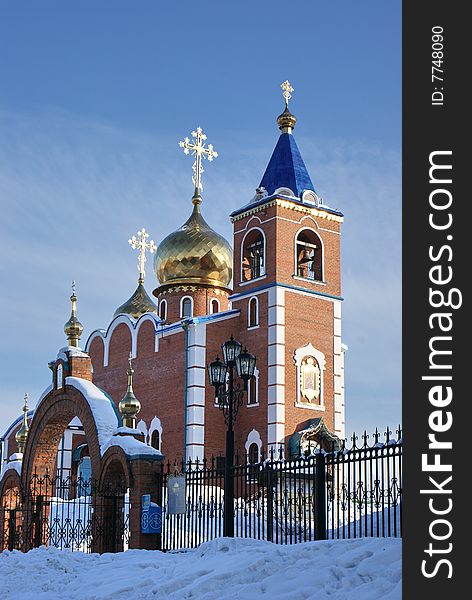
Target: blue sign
(151,516)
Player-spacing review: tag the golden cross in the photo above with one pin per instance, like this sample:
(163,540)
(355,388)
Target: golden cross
(199,150)
(143,246)
(287,90)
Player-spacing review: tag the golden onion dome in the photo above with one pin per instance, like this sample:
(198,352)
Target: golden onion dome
(194,255)
(73,328)
(22,433)
(286,121)
(139,304)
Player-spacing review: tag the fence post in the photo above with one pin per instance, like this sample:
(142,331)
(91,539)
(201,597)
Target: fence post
(38,521)
(320,496)
(270,504)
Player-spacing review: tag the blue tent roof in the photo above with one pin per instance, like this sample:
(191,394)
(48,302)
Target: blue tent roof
(286,168)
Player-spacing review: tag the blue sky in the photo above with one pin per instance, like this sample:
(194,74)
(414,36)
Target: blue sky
(94,97)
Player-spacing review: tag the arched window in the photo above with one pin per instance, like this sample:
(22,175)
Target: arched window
(253,454)
(155,439)
(214,306)
(253,389)
(186,307)
(163,310)
(309,255)
(253,313)
(253,255)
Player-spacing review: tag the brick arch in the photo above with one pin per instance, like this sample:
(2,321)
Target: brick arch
(11,480)
(47,427)
(115,469)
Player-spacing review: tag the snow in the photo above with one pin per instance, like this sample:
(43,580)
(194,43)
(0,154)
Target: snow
(71,351)
(223,569)
(103,411)
(131,446)
(13,464)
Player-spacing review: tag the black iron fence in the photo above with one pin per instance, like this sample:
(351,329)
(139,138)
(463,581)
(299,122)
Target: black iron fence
(67,513)
(322,493)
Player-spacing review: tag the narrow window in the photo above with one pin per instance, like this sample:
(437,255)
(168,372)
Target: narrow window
(253,258)
(309,256)
(163,310)
(186,308)
(214,306)
(253,454)
(252,390)
(253,312)
(155,439)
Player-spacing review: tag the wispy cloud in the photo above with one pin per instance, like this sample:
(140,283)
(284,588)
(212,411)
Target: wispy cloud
(73,190)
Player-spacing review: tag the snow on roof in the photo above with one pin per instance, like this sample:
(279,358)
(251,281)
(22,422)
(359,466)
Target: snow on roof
(131,446)
(102,408)
(72,351)
(13,464)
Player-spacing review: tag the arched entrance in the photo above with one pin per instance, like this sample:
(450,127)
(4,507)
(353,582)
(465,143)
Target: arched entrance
(51,501)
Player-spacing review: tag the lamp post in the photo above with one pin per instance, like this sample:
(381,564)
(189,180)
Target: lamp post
(229,394)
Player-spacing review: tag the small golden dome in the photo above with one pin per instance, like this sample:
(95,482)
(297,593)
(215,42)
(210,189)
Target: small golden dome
(22,433)
(129,405)
(286,121)
(194,255)
(139,304)
(73,328)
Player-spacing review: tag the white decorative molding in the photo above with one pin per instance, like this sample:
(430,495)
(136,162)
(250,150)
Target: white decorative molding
(298,356)
(254,438)
(133,327)
(196,370)
(141,425)
(276,369)
(155,425)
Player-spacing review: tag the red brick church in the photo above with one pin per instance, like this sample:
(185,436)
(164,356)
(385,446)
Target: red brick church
(276,288)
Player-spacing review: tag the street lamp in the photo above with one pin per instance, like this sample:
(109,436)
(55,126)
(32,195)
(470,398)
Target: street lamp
(229,395)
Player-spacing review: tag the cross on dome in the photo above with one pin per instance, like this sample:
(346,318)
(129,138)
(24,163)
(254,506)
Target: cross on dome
(199,150)
(140,242)
(287,90)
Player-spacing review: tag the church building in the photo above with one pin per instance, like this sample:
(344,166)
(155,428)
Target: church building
(276,288)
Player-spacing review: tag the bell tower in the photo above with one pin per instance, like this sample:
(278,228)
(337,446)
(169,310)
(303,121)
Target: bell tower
(287,284)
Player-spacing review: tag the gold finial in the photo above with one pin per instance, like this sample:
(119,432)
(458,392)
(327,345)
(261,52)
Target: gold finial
(22,433)
(286,121)
(199,150)
(143,246)
(73,328)
(129,406)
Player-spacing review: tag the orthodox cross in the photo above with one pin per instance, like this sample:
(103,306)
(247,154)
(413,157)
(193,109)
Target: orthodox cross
(287,90)
(144,246)
(199,150)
